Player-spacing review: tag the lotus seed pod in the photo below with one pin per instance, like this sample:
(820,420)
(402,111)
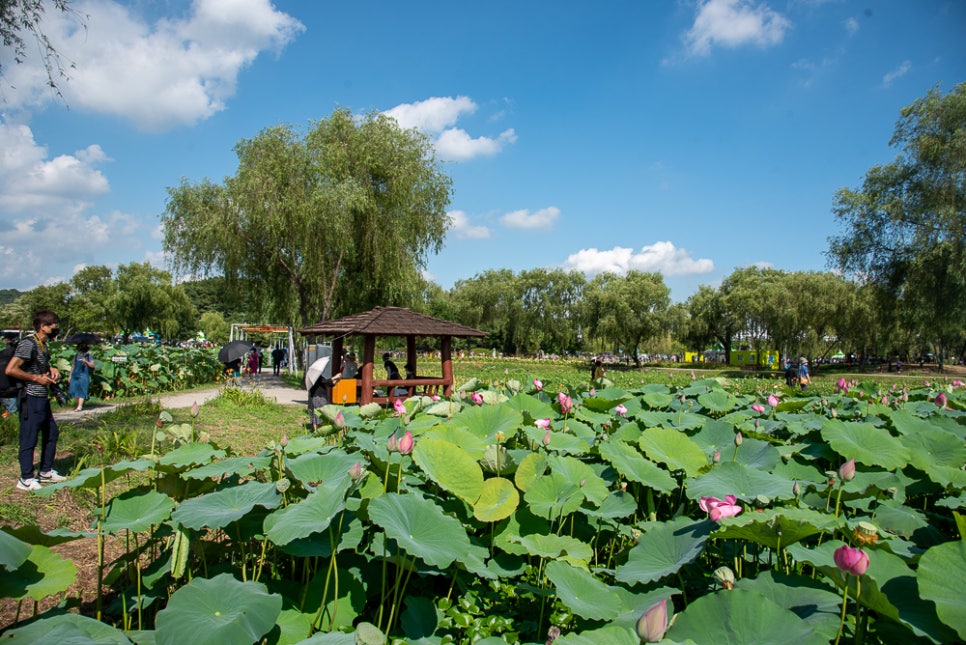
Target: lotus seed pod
(283,484)
(865,533)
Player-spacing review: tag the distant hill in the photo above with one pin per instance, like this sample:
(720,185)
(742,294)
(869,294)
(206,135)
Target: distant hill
(9,295)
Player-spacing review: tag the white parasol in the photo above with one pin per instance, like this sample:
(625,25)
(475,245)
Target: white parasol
(321,366)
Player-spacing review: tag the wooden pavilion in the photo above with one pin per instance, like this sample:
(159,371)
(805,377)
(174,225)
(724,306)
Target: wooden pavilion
(393,321)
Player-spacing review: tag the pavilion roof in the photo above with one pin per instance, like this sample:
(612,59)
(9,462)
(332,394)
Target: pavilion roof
(391,321)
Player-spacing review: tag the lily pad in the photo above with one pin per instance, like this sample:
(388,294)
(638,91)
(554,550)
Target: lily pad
(451,467)
(942,570)
(632,465)
(220,508)
(218,610)
(136,511)
(866,443)
(498,501)
(673,448)
(420,528)
(664,549)
(582,593)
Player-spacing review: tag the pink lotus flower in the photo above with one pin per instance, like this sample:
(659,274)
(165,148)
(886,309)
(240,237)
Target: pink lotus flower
(435,397)
(537,383)
(719,509)
(356,471)
(406,443)
(842,385)
(477,398)
(847,471)
(957,383)
(566,403)
(620,410)
(339,420)
(399,407)
(652,625)
(851,560)
(543,424)
(757,407)
(773,400)
(941,399)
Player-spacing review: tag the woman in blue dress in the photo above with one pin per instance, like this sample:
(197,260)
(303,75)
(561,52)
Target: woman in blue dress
(80,375)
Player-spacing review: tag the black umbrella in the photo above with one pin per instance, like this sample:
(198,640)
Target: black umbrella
(234,350)
(84,337)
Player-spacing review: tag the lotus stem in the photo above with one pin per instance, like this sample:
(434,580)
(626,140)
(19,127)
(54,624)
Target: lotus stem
(845,601)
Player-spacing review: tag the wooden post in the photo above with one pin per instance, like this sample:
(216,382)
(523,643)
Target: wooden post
(446,354)
(337,355)
(410,353)
(368,356)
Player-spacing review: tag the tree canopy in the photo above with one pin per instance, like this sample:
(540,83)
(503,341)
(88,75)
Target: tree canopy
(333,222)
(905,227)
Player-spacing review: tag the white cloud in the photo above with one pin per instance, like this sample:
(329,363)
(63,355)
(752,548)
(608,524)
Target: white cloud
(662,257)
(171,73)
(436,116)
(851,26)
(463,230)
(433,115)
(898,72)
(733,23)
(541,219)
(32,183)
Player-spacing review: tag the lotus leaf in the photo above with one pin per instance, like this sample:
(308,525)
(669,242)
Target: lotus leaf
(66,628)
(563,547)
(673,448)
(562,442)
(809,599)
(498,501)
(776,527)
(632,465)
(218,610)
(582,593)
(419,619)
(657,400)
(220,508)
(593,488)
(531,467)
(13,552)
(865,443)
(240,466)
(451,467)
(664,549)
(311,515)
(136,511)
(553,496)
(497,460)
(330,469)
(717,401)
(475,446)
(942,572)
(738,617)
(420,528)
(744,482)
(92,477)
(190,455)
(939,454)
(43,573)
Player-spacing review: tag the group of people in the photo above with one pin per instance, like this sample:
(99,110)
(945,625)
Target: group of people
(29,364)
(798,374)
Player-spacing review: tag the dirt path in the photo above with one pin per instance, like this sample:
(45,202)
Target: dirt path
(271,387)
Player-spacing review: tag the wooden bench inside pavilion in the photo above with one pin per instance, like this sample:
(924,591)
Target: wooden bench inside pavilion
(389,322)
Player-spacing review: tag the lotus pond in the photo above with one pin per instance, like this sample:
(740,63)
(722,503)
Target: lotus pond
(527,512)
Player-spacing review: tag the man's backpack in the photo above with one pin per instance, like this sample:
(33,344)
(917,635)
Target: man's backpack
(9,386)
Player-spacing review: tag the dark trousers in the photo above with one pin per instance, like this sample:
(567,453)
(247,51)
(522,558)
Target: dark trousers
(37,421)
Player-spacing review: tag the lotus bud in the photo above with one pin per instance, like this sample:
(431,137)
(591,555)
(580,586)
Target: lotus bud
(593,392)
(477,398)
(546,438)
(356,471)
(339,421)
(772,400)
(621,410)
(717,457)
(542,423)
(847,470)
(739,439)
(583,482)
(941,399)
(391,443)
(796,489)
(552,634)
(284,440)
(759,408)
(865,533)
(652,625)
(834,413)
(841,385)
(194,409)
(693,377)
(757,423)
(435,397)
(566,403)
(538,384)
(725,577)
(851,560)
(406,443)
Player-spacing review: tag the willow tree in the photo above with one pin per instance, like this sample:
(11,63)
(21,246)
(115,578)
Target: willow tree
(332,222)
(628,310)
(905,228)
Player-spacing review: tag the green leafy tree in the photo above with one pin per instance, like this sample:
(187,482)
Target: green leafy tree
(628,310)
(22,21)
(710,321)
(93,290)
(905,227)
(215,327)
(333,222)
(147,298)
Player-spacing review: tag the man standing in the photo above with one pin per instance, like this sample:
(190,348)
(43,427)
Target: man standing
(31,364)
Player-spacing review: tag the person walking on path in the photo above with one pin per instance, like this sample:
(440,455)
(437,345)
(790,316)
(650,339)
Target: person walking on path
(804,378)
(31,364)
(80,375)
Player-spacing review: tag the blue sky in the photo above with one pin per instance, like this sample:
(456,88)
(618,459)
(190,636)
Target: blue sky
(690,137)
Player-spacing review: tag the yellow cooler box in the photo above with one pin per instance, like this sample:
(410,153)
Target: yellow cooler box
(344,391)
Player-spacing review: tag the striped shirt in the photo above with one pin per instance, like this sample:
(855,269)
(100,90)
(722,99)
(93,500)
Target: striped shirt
(34,362)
